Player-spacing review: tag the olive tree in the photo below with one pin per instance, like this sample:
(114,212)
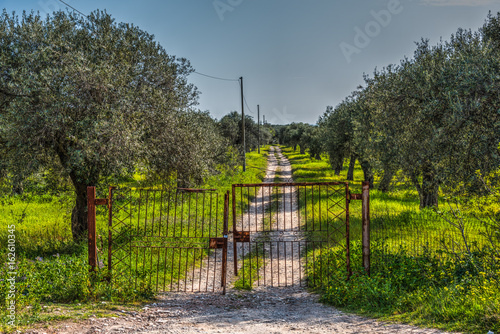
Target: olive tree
(90,92)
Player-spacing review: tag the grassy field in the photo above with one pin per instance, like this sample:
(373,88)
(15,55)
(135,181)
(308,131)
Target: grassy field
(52,276)
(430,268)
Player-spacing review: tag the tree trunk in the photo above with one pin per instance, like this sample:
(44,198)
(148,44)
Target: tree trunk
(430,188)
(385,183)
(428,191)
(367,171)
(295,147)
(17,186)
(350,171)
(338,166)
(317,156)
(302,149)
(79,213)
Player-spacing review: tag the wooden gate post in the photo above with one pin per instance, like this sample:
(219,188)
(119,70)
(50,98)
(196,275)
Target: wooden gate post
(91,218)
(365,219)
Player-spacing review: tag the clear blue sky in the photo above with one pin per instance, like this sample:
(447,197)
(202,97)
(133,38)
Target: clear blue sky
(296,56)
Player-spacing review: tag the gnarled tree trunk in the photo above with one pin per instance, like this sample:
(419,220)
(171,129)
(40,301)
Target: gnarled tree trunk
(350,171)
(367,171)
(385,182)
(428,191)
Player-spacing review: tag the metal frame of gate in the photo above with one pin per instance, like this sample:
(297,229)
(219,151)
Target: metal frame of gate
(167,240)
(149,223)
(282,228)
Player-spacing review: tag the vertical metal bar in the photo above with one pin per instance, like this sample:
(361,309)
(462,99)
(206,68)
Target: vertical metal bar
(172,270)
(284,207)
(249,221)
(293,256)
(190,197)
(256,198)
(319,213)
(284,250)
(278,257)
(298,209)
(165,268)
(186,271)
(224,249)
(110,232)
(179,271)
(161,207)
(312,206)
(348,243)
(305,206)
(153,218)
(146,213)
(300,266)
(168,209)
(194,263)
(91,227)
(262,191)
(235,250)
(365,218)
(203,234)
(196,218)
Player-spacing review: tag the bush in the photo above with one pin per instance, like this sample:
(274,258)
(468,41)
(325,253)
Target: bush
(429,289)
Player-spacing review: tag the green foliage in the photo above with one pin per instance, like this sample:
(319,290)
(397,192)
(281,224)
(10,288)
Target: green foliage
(231,129)
(60,279)
(433,116)
(426,290)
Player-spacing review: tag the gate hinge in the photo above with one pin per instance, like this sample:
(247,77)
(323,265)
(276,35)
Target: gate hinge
(241,236)
(217,242)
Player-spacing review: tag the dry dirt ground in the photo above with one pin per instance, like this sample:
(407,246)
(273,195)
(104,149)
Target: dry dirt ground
(263,310)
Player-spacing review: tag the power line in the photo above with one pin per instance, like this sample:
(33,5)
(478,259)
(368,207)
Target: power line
(76,10)
(244,99)
(212,77)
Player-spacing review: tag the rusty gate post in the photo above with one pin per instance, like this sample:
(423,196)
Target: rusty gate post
(91,222)
(365,219)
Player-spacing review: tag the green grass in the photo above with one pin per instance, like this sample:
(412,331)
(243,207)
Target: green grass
(421,270)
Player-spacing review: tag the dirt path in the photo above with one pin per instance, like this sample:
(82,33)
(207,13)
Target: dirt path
(264,310)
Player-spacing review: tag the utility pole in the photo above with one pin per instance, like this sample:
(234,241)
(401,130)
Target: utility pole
(258,128)
(243,126)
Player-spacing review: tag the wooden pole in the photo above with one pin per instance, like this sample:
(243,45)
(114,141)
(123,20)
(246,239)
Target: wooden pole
(258,128)
(243,126)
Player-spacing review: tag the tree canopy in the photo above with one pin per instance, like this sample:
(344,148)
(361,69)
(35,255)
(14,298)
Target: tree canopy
(96,97)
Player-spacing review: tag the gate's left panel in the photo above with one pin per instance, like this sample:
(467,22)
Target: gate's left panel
(169,240)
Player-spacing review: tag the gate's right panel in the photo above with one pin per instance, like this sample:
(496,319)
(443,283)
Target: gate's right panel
(288,234)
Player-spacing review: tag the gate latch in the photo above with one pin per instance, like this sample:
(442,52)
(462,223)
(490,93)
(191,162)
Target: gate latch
(216,243)
(241,236)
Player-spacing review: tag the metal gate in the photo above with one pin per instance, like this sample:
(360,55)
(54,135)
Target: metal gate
(165,240)
(284,234)
(288,234)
